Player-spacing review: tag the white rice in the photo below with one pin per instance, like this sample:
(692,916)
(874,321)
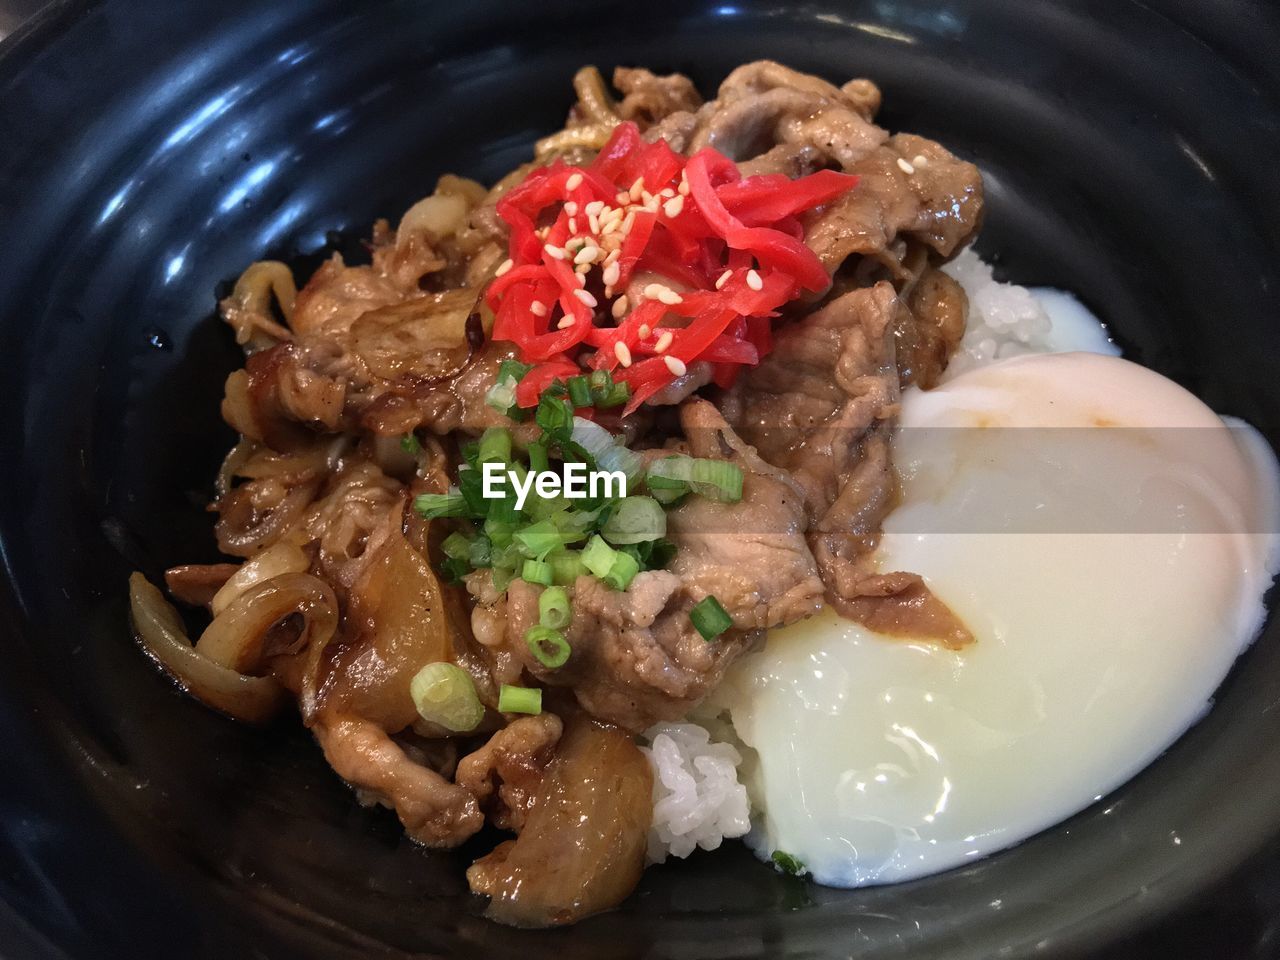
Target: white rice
(697,798)
(1005,320)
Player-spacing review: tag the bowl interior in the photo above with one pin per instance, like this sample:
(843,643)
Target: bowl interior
(153,150)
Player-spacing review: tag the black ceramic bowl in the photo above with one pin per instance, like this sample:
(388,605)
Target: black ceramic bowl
(149,150)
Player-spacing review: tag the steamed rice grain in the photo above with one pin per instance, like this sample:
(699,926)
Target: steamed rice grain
(697,798)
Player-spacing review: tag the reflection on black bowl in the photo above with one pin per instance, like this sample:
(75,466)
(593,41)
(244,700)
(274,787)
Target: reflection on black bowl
(152,149)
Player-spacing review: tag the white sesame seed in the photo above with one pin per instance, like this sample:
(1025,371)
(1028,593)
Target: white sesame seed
(608,228)
(568,320)
(628,221)
(504,266)
(645,330)
(637,189)
(623,198)
(574,182)
(676,366)
(538,308)
(594,222)
(619,307)
(920,160)
(683,189)
(586,298)
(667,192)
(623,353)
(905,166)
(581,270)
(571,208)
(594,207)
(754,281)
(670,298)
(587,254)
(610,274)
(609,214)
(557,253)
(723,279)
(664,341)
(612,257)
(573,224)
(673,207)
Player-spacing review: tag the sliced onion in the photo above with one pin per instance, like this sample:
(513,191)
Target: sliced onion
(159,630)
(280,558)
(608,452)
(237,637)
(635,520)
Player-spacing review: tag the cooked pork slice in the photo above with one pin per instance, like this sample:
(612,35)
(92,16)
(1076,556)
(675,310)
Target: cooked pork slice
(504,774)
(637,657)
(764,105)
(581,847)
(909,188)
(821,406)
(648,97)
(434,811)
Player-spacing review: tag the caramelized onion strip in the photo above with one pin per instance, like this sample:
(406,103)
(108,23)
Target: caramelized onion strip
(279,558)
(159,629)
(238,638)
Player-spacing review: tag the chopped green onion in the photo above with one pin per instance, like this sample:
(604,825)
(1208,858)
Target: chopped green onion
(788,863)
(651,554)
(597,556)
(709,618)
(670,477)
(480,552)
(445,694)
(606,450)
(538,539)
(579,391)
(606,393)
(495,446)
(553,608)
(502,577)
(566,567)
(634,520)
(615,396)
(717,480)
(456,546)
(502,395)
(514,369)
(554,416)
(471,486)
(622,571)
(470,449)
(410,445)
(538,460)
(549,646)
(432,506)
(519,699)
(454,569)
(536,571)
(499,532)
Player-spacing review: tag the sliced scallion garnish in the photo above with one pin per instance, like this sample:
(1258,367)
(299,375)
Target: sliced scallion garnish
(445,694)
(709,618)
(519,699)
(635,520)
(554,610)
(548,646)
